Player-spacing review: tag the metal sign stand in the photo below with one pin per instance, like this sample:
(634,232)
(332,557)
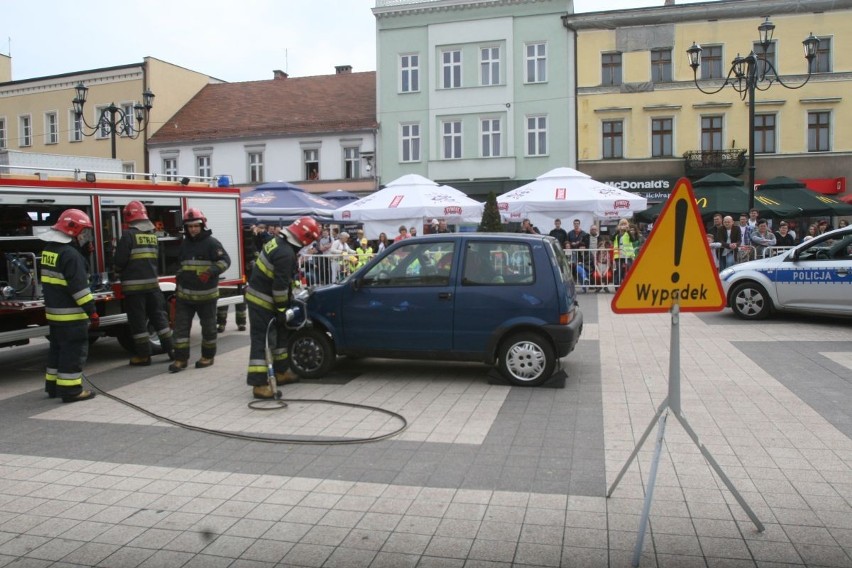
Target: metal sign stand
(672,402)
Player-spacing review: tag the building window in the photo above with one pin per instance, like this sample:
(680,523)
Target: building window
(351,163)
(103,118)
(75,134)
(536,60)
(661,137)
(410,138)
(765,62)
(764,133)
(129,120)
(170,169)
(661,65)
(611,69)
(451,136)
(489,66)
(819,124)
(822,64)
(613,139)
(536,136)
(204,166)
(129,168)
(255,167)
(451,68)
(51,128)
(491,136)
(25,137)
(711,133)
(311,159)
(3,134)
(711,62)
(409,73)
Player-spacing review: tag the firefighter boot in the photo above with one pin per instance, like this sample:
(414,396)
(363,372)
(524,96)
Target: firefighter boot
(241,327)
(204,362)
(140,361)
(220,328)
(263,392)
(287,377)
(85,395)
(177,366)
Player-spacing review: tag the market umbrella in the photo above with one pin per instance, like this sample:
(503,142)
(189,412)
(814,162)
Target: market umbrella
(721,193)
(282,199)
(410,200)
(796,193)
(567,193)
(340,197)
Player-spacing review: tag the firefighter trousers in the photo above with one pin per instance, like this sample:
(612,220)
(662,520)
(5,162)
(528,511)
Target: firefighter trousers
(141,309)
(222,314)
(69,348)
(259,319)
(184,312)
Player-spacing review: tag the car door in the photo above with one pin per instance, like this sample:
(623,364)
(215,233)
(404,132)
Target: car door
(405,301)
(819,276)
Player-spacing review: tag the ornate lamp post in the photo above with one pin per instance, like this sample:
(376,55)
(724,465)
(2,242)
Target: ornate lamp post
(753,73)
(116,119)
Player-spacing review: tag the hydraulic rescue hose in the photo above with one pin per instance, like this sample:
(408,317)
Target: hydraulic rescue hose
(279,404)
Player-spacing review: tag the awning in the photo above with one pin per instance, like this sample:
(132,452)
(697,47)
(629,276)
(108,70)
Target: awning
(827,186)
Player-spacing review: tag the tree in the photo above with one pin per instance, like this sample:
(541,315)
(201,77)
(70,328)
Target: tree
(491,216)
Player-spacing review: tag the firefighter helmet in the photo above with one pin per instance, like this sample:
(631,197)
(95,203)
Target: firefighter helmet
(72,222)
(135,211)
(194,215)
(303,231)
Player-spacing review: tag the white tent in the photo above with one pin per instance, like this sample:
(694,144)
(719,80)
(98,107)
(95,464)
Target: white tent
(409,200)
(564,193)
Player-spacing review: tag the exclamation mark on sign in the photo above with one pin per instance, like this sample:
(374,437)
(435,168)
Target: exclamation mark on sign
(680,228)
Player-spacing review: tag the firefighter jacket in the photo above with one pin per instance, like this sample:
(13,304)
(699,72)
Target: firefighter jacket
(200,254)
(271,278)
(136,258)
(65,285)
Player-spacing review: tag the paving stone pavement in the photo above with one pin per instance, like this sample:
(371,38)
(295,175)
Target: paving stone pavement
(484,475)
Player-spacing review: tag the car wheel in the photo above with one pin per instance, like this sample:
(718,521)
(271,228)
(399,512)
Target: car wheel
(311,353)
(750,301)
(526,359)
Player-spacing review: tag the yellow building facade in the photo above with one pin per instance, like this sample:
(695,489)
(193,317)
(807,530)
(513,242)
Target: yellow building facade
(37,115)
(642,123)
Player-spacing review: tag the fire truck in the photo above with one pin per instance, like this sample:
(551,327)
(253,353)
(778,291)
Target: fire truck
(30,204)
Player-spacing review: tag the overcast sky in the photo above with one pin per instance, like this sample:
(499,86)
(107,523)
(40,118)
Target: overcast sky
(233,40)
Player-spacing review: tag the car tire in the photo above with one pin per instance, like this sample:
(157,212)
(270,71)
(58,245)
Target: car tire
(311,353)
(526,359)
(750,301)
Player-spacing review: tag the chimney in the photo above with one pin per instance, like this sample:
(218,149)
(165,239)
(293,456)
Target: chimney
(279,74)
(341,69)
(670,2)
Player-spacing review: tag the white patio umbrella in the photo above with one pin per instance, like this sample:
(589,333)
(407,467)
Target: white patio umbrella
(409,200)
(565,193)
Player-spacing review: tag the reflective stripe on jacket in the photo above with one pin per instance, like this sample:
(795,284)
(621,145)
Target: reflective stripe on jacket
(65,284)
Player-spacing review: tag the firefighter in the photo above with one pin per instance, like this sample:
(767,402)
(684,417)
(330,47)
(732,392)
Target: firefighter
(268,296)
(136,261)
(249,254)
(202,259)
(69,305)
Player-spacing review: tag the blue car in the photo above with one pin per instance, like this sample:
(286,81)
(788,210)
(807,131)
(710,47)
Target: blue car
(502,299)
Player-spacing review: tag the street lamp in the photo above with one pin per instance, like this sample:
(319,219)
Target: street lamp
(116,119)
(753,73)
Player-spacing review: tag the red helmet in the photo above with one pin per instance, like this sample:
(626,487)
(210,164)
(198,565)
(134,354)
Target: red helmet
(193,215)
(304,230)
(72,222)
(135,211)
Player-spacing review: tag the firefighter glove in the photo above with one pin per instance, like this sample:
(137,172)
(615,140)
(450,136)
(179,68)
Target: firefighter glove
(204,276)
(94,320)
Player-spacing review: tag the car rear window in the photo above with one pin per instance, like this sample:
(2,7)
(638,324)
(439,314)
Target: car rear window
(497,263)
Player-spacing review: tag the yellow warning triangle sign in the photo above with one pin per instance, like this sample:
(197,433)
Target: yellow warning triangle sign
(675,263)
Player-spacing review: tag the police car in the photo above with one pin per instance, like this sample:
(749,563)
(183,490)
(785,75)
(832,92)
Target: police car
(814,277)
